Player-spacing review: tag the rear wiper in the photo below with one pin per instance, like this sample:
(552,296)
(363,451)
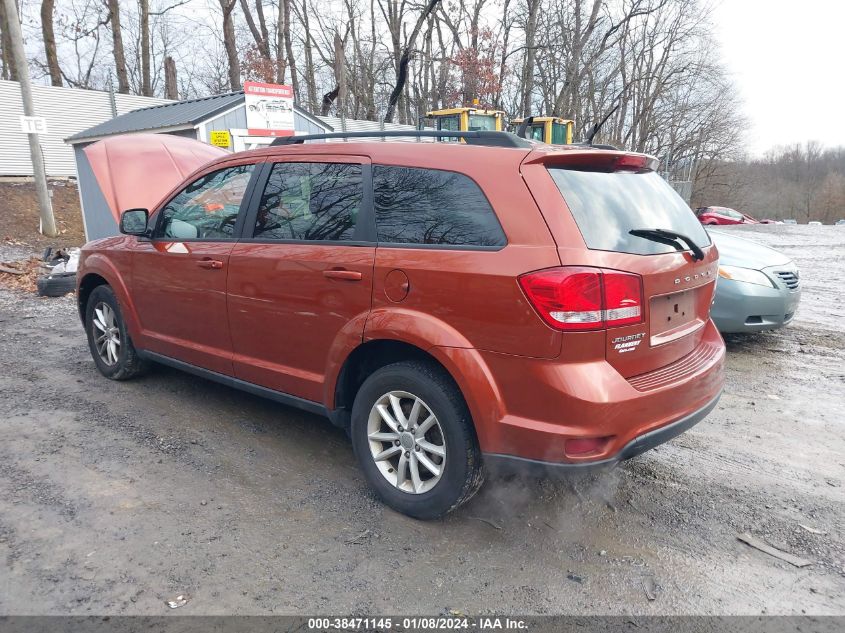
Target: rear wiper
(670,238)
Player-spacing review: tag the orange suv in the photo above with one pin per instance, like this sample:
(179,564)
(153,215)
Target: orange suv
(457,307)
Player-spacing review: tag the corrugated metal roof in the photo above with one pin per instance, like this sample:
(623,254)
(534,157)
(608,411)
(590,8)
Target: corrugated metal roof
(67,111)
(166,116)
(359,125)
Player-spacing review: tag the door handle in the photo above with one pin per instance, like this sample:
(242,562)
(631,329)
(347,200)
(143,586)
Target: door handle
(210,263)
(348,275)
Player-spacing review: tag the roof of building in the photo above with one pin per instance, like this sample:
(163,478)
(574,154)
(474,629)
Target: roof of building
(170,116)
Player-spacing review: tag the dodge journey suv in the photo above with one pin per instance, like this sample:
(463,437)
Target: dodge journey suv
(462,307)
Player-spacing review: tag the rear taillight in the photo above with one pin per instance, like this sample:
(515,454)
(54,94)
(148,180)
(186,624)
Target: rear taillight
(573,298)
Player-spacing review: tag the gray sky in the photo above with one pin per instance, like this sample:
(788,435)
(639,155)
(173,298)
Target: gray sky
(787,60)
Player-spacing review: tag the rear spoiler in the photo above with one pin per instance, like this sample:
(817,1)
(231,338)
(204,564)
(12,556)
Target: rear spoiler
(593,160)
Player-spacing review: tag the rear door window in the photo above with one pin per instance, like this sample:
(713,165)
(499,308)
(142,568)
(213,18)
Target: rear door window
(432,206)
(310,201)
(606,206)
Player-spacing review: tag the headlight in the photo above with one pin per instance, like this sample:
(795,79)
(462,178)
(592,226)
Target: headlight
(748,275)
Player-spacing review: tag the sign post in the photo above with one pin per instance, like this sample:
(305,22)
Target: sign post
(13,25)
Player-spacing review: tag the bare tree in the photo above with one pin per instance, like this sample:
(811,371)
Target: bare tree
(9,70)
(171,91)
(228,6)
(47,9)
(117,46)
(405,58)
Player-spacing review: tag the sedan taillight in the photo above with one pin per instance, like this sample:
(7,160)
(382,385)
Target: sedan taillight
(579,298)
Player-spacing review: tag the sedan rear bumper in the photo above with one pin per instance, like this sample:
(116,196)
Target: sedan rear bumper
(504,464)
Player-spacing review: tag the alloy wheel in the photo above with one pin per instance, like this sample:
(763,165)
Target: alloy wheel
(406,442)
(106,333)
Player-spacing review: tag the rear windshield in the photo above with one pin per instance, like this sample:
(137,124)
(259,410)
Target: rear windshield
(606,206)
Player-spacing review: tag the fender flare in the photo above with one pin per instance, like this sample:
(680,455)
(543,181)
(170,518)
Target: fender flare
(435,337)
(99,264)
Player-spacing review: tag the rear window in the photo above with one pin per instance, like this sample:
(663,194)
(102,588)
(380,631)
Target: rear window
(431,206)
(606,206)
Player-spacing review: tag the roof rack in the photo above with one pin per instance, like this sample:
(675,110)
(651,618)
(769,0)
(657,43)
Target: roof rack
(486,138)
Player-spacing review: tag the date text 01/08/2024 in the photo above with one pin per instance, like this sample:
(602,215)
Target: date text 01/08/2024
(417,623)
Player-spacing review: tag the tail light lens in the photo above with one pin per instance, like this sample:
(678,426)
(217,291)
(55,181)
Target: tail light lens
(576,298)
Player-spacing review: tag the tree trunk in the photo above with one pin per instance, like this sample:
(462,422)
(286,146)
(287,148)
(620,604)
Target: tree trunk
(117,45)
(310,80)
(171,91)
(258,34)
(9,70)
(404,60)
(530,55)
(340,74)
(146,75)
(49,36)
(228,6)
(294,80)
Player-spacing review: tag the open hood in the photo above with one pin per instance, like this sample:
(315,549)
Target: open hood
(135,171)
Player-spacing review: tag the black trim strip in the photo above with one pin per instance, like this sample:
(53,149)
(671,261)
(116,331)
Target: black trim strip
(237,383)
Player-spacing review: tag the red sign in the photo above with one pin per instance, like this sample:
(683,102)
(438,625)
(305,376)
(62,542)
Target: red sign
(269,109)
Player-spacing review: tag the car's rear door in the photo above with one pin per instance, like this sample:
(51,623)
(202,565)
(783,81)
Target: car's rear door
(179,276)
(302,272)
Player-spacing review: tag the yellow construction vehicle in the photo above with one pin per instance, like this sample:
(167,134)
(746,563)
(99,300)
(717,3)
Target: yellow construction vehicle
(468,119)
(554,130)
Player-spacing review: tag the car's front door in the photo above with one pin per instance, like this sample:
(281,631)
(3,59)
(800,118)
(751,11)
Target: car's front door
(305,273)
(179,276)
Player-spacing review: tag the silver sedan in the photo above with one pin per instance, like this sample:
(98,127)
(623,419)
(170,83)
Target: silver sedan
(758,288)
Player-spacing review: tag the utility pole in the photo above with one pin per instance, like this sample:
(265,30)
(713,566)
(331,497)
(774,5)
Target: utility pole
(13,23)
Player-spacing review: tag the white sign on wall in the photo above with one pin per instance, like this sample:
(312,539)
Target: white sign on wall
(33,125)
(269,109)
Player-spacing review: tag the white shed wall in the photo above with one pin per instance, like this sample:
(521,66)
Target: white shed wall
(68,111)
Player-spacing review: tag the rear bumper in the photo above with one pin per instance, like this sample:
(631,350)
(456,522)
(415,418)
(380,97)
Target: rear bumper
(572,411)
(504,464)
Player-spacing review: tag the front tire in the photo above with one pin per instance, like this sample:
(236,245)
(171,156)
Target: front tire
(413,437)
(108,340)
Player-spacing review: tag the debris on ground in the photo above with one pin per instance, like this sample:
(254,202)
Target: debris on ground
(179,601)
(488,522)
(772,551)
(363,536)
(21,274)
(811,530)
(650,588)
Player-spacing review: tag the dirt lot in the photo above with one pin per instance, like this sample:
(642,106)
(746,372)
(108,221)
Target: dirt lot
(117,496)
(19,216)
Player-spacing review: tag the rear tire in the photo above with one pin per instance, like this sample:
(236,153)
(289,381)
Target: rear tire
(109,342)
(433,464)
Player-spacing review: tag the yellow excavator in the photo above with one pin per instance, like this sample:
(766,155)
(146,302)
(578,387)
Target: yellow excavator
(468,119)
(553,130)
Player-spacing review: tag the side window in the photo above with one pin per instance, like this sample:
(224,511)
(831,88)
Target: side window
(431,206)
(208,207)
(310,201)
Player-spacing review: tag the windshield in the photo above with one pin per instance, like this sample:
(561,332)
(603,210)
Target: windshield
(482,122)
(606,206)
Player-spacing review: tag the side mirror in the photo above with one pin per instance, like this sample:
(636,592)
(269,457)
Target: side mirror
(134,222)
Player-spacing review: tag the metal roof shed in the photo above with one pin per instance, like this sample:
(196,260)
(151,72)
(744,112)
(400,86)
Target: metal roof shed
(194,119)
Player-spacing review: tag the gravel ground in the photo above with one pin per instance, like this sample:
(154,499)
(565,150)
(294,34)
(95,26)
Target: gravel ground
(115,497)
